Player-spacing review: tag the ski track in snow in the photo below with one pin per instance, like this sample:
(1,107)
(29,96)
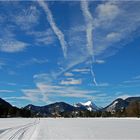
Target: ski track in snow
(70,129)
(19,132)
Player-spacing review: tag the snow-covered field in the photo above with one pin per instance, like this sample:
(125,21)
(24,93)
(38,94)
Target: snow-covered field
(70,129)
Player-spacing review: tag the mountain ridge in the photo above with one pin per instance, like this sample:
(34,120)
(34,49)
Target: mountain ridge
(119,107)
(120,104)
(89,105)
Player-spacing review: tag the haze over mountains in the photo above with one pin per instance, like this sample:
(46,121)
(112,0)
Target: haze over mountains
(121,107)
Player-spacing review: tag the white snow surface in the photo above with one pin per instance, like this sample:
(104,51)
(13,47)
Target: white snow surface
(69,129)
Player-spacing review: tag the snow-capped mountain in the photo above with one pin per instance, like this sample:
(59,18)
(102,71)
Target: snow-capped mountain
(120,104)
(116,105)
(89,105)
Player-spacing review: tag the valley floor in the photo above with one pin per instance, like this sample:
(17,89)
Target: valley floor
(69,129)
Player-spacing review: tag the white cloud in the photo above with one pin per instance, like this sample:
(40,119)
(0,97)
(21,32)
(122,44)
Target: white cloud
(12,45)
(43,77)
(76,95)
(99,61)
(31,94)
(38,61)
(114,23)
(71,81)
(71,64)
(132,81)
(44,38)
(34,61)
(6,91)
(27,18)
(107,11)
(12,84)
(125,96)
(68,74)
(46,91)
(48,88)
(113,36)
(82,70)
(62,91)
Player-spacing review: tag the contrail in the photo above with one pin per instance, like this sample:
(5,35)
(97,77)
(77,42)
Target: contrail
(89,22)
(54,27)
(92,73)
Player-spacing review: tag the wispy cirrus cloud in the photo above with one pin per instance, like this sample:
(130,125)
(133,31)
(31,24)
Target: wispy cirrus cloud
(99,61)
(42,38)
(113,37)
(110,20)
(68,74)
(12,45)
(47,90)
(44,77)
(11,84)
(133,80)
(38,61)
(81,70)
(33,95)
(6,91)
(107,11)
(127,95)
(33,61)
(71,81)
(27,18)
(24,19)
(103,84)
(9,42)
(110,28)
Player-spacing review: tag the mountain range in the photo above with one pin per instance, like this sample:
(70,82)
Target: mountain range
(51,109)
(122,106)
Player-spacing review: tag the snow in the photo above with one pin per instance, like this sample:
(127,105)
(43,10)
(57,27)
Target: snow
(89,108)
(70,128)
(88,103)
(114,104)
(112,107)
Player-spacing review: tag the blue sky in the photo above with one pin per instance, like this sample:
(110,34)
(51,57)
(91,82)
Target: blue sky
(69,51)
